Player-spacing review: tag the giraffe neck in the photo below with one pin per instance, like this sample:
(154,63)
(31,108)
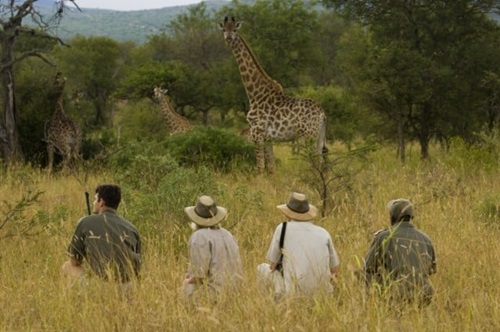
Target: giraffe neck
(257,82)
(59,112)
(172,117)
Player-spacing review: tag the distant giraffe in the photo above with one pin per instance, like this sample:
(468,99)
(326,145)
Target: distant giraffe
(176,122)
(62,135)
(273,116)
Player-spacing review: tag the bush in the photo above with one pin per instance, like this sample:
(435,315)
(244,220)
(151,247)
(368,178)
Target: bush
(164,207)
(141,165)
(181,188)
(483,154)
(211,147)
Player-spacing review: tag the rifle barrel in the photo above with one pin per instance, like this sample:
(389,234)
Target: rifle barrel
(87,200)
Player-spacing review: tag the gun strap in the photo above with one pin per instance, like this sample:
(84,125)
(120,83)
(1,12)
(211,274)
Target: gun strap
(282,237)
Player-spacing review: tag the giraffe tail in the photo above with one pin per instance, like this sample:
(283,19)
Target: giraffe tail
(321,146)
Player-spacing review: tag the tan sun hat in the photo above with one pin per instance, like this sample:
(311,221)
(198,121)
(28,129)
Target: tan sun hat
(206,212)
(298,208)
(399,208)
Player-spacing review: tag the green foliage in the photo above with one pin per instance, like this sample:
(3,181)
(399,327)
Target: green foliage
(202,84)
(164,203)
(36,103)
(344,116)
(142,78)
(141,120)
(92,66)
(216,148)
(418,65)
(98,145)
(141,164)
(181,187)
(14,221)
(484,154)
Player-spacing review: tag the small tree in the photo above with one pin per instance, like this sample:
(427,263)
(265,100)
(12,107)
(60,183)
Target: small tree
(12,15)
(333,172)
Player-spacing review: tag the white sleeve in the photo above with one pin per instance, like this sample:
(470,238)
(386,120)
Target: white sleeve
(273,253)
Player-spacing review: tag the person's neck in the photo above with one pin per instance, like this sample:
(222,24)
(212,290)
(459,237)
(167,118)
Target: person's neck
(106,209)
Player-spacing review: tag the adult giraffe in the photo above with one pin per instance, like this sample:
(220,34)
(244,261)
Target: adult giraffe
(175,122)
(62,134)
(273,115)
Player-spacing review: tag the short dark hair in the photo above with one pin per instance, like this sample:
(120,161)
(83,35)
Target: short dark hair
(110,193)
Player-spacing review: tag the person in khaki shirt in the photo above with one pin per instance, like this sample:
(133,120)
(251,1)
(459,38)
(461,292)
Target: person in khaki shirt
(110,244)
(214,256)
(401,258)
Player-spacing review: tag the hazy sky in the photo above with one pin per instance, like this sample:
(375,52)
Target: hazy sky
(132,4)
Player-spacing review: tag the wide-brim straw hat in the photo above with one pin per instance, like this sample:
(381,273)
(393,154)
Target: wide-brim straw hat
(206,212)
(399,208)
(298,208)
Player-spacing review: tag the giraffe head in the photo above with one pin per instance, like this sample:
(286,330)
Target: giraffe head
(229,28)
(159,93)
(59,81)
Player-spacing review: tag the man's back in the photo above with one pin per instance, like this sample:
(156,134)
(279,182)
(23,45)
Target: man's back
(308,256)
(409,254)
(214,254)
(110,244)
(402,257)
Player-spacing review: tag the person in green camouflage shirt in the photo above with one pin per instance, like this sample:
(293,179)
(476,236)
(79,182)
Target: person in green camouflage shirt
(110,244)
(401,258)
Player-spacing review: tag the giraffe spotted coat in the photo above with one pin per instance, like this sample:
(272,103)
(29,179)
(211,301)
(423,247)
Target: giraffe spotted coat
(273,115)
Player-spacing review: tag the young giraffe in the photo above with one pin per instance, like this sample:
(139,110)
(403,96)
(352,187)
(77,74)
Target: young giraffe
(62,135)
(273,115)
(175,122)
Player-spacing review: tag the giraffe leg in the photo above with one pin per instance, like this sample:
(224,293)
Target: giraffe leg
(66,153)
(259,155)
(74,156)
(50,154)
(65,163)
(269,158)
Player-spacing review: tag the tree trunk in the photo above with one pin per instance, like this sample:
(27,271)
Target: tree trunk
(205,116)
(424,132)
(401,139)
(12,151)
(11,148)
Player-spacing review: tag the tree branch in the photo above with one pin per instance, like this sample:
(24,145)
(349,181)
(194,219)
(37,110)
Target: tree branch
(32,53)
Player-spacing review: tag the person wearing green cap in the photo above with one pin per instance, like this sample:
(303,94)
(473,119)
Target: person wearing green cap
(401,258)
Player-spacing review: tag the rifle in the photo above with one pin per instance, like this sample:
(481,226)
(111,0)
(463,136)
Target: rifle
(279,264)
(87,200)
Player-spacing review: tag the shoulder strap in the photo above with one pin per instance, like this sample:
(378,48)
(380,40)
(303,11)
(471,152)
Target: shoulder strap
(282,237)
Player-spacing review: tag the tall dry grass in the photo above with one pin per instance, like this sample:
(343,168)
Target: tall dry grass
(447,195)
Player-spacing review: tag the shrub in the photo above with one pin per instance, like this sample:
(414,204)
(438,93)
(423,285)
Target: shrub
(211,147)
(164,207)
(141,165)
(484,153)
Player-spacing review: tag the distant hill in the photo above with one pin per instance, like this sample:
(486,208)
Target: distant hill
(133,26)
(119,25)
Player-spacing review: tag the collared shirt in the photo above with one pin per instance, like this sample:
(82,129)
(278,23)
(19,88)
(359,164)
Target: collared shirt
(110,244)
(401,254)
(214,256)
(309,255)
